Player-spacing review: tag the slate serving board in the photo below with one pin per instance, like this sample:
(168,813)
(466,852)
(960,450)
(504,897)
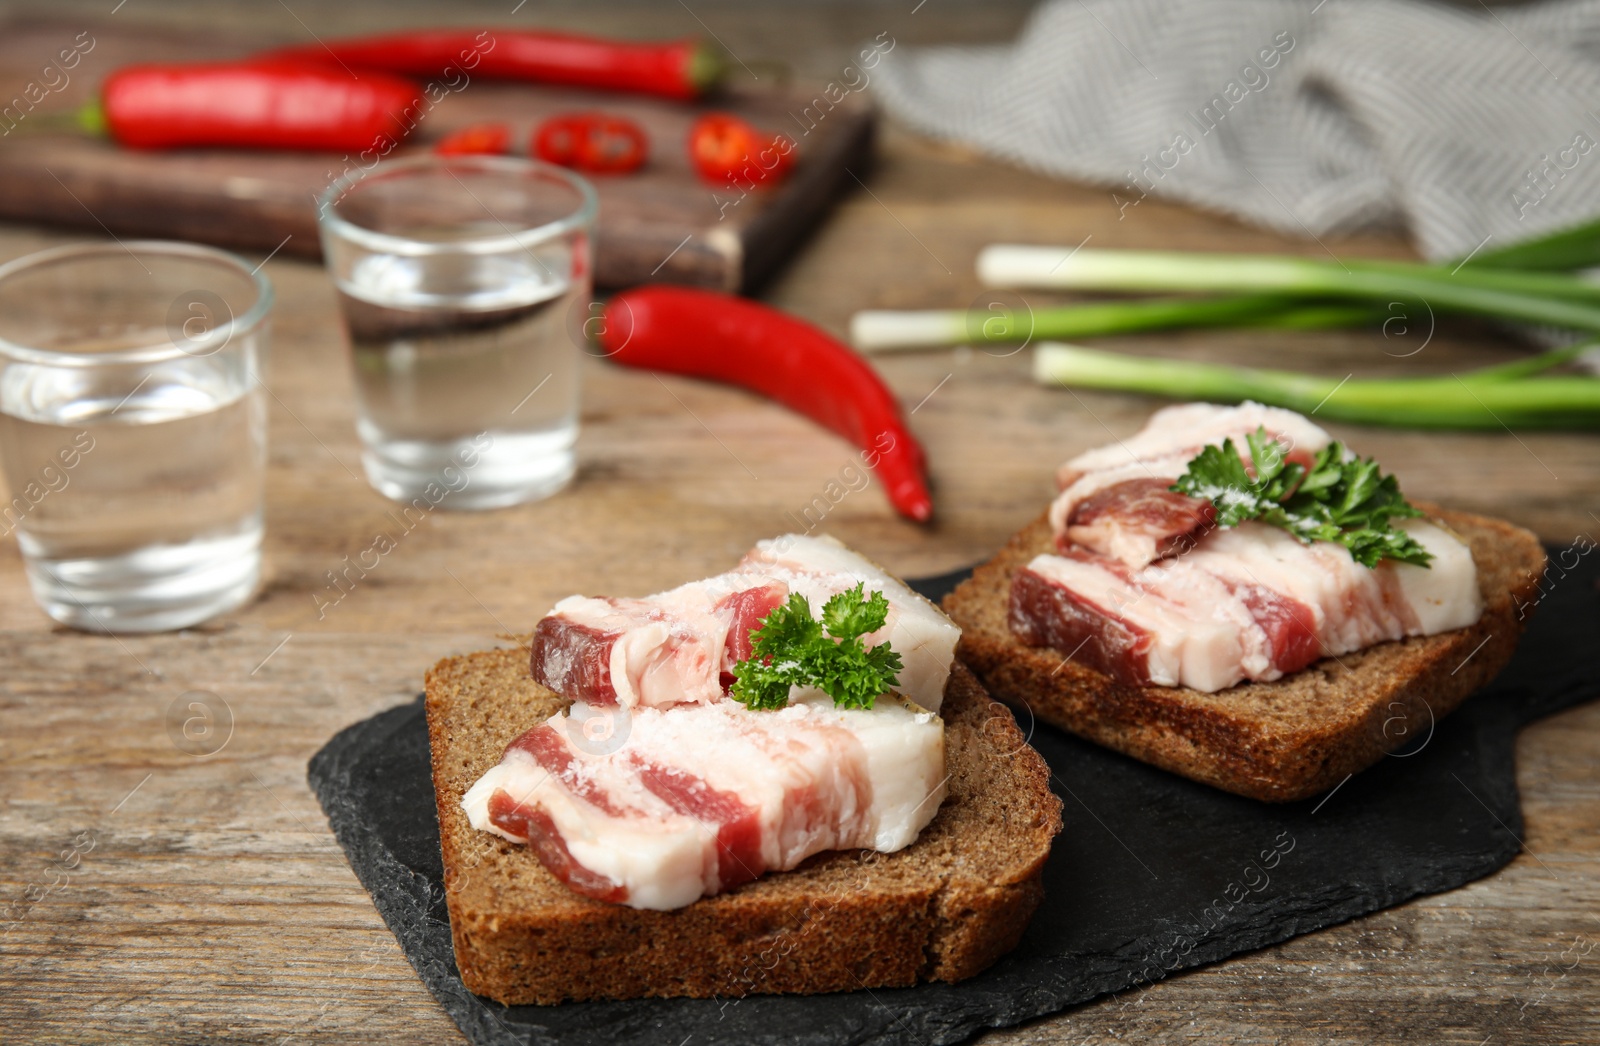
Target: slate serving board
(1152,874)
(659,224)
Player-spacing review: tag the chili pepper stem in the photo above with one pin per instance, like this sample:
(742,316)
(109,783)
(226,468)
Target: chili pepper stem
(780,71)
(708,66)
(89,118)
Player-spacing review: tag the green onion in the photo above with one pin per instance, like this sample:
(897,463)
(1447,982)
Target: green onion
(1003,321)
(1522,282)
(1494,398)
(1532,297)
(1532,365)
(1577,247)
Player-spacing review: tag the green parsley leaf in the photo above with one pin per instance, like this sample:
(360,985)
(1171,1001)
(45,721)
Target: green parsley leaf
(1350,502)
(848,614)
(791,649)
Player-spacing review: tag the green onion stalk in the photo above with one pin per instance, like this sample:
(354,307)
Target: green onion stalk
(1526,282)
(1577,247)
(1532,297)
(877,331)
(1512,395)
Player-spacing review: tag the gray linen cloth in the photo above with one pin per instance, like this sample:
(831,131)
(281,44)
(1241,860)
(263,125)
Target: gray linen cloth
(1470,127)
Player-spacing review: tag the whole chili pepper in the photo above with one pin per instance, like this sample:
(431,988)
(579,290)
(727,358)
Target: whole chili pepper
(254,105)
(479,139)
(726,150)
(683,69)
(725,338)
(595,142)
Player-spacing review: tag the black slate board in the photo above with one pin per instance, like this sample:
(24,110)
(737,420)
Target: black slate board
(1152,874)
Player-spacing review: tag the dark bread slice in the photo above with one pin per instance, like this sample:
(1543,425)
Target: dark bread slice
(1278,741)
(944,908)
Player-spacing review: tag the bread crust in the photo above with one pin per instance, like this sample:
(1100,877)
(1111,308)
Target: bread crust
(944,908)
(1279,741)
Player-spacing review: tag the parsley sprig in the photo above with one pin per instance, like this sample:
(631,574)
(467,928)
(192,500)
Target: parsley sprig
(791,649)
(1350,502)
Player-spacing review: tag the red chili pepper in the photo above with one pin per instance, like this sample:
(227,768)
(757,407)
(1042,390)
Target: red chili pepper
(257,105)
(708,335)
(728,151)
(595,142)
(683,69)
(479,139)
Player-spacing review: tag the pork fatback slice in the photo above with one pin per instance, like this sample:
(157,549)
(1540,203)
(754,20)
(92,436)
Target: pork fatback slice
(1190,426)
(698,799)
(674,647)
(1115,499)
(1444,595)
(1248,602)
(1137,521)
(1350,606)
(821,567)
(1098,613)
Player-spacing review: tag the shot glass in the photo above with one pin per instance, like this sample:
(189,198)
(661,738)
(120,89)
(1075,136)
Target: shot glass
(457,278)
(133,430)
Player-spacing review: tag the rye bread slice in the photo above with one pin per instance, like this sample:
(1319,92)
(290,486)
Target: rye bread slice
(944,908)
(1279,741)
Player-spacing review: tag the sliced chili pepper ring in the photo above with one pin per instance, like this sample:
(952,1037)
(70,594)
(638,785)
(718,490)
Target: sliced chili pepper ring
(726,150)
(599,143)
(480,139)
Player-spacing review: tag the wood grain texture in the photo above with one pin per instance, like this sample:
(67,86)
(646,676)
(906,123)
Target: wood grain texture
(214,904)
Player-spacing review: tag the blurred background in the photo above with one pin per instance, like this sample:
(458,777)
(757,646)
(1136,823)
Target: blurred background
(895,193)
(900,230)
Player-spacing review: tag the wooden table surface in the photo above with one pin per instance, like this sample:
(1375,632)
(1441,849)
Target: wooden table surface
(156,894)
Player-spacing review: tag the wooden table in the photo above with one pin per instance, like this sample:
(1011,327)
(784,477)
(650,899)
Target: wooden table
(181,897)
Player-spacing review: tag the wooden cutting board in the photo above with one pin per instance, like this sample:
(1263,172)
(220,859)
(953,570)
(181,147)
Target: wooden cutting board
(661,223)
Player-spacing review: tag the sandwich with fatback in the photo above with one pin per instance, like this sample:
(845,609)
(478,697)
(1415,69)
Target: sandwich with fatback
(778,779)
(1233,595)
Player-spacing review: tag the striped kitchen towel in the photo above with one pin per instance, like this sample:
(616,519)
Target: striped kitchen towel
(1465,126)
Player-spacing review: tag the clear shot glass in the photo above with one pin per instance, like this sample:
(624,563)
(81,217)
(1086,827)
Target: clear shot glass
(133,430)
(457,279)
